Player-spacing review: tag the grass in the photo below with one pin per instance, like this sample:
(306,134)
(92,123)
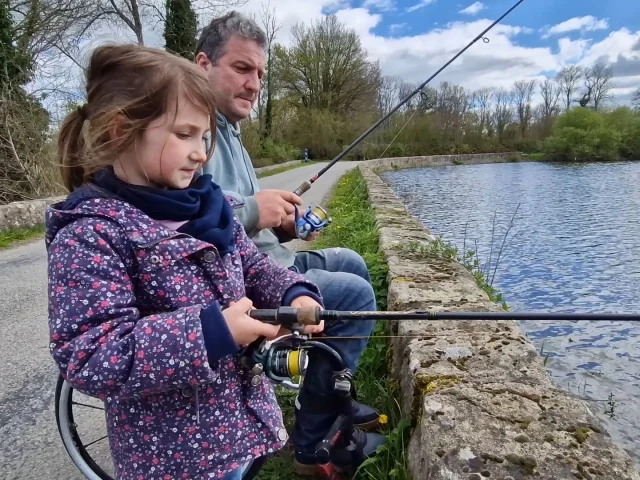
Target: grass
(9,238)
(284,168)
(354,227)
(444,250)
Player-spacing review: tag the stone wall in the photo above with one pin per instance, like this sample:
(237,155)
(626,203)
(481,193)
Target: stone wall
(31,212)
(385,164)
(24,214)
(484,405)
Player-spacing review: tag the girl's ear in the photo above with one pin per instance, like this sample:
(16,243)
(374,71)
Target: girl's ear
(116,128)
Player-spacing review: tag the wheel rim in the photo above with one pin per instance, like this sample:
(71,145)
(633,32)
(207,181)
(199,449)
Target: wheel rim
(70,438)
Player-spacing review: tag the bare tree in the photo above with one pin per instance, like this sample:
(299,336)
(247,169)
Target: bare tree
(522,96)
(597,81)
(635,99)
(389,93)
(568,79)
(548,109)
(271,28)
(482,99)
(503,113)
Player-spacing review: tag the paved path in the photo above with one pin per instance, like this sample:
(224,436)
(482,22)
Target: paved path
(30,446)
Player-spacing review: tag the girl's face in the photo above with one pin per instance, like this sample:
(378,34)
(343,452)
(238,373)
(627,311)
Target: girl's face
(169,152)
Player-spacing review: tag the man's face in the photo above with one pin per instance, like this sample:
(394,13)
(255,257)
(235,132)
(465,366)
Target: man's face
(236,78)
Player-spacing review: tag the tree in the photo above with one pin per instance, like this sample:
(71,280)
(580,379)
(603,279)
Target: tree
(180,28)
(568,79)
(597,81)
(502,114)
(550,92)
(271,28)
(522,96)
(482,101)
(635,100)
(327,68)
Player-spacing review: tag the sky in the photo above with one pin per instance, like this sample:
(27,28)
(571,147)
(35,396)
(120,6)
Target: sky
(412,39)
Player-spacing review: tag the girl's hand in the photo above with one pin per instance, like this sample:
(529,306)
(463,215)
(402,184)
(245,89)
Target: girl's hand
(301,302)
(243,328)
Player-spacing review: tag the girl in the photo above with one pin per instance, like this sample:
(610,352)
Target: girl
(151,276)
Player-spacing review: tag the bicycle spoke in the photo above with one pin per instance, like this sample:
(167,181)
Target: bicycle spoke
(95,441)
(88,406)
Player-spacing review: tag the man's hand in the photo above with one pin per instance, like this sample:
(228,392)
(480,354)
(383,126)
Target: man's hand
(274,206)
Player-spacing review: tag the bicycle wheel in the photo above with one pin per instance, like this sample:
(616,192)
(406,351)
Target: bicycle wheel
(68,430)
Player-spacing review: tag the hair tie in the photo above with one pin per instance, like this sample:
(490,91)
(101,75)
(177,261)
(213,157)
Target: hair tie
(83,111)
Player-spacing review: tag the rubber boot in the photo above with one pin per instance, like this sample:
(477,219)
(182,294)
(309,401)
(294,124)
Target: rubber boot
(316,408)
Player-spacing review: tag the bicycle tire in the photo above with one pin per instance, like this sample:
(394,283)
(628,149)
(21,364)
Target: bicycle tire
(70,438)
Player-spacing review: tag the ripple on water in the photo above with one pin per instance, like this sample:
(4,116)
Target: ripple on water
(573,246)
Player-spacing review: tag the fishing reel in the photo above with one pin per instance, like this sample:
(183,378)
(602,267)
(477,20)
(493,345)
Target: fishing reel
(281,360)
(313,220)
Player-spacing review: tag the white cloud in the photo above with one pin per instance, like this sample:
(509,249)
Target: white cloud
(572,50)
(473,9)
(384,5)
(396,27)
(586,24)
(420,4)
(415,57)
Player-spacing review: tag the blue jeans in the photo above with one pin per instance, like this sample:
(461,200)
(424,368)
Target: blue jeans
(344,282)
(237,473)
(343,279)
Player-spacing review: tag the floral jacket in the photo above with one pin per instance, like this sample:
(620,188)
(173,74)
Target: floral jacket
(135,319)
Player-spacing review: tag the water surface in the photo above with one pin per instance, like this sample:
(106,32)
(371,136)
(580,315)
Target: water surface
(570,236)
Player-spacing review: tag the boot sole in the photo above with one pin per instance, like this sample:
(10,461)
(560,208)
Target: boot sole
(306,470)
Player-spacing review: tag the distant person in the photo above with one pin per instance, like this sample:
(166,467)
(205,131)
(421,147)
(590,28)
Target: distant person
(231,51)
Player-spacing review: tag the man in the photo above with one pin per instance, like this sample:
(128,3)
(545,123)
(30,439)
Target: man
(231,50)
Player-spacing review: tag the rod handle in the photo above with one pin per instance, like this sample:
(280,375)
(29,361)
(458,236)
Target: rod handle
(302,188)
(288,316)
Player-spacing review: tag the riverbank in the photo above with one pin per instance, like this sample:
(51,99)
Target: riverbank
(480,398)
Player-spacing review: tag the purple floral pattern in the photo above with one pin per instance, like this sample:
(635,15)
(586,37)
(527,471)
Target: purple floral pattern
(125,295)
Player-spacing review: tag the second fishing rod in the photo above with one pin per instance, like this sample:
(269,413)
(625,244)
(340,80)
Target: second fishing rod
(315,218)
(307,185)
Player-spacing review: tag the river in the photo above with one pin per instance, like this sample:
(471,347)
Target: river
(572,245)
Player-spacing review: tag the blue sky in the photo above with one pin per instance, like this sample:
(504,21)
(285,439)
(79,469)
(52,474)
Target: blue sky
(411,39)
(535,14)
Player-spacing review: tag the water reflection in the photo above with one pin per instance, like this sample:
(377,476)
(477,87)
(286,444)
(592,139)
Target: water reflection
(570,240)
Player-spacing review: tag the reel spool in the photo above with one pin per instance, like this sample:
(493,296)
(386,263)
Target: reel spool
(280,360)
(313,220)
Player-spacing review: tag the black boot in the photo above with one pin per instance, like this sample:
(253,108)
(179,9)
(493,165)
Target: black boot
(313,420)
(317,406)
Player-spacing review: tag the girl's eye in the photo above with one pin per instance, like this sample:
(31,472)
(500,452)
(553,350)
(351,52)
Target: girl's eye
(183,135)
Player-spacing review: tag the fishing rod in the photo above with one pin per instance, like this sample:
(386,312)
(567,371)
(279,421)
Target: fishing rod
(290,317)
(285,357)
(316,218)
(307,184)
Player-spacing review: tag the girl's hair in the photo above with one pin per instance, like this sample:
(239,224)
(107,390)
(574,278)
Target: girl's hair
(128,87)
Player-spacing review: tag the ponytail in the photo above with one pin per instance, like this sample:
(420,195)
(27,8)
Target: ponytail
(71,149)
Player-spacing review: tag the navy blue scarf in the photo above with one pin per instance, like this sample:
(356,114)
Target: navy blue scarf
(202,205)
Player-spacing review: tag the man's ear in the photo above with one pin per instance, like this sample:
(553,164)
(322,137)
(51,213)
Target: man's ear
(203,61)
